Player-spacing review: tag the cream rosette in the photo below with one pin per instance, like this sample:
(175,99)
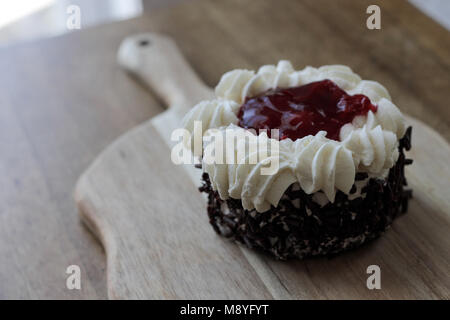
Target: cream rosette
(367,144)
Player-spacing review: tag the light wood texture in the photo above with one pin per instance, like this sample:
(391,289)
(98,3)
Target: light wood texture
(152,220)
(137,219)
(63,100)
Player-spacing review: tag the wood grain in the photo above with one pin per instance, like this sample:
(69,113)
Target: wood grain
(64,99)
(121,194)
(60,106)
(162,236)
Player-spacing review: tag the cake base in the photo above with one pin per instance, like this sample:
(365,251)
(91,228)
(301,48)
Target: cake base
(299,227)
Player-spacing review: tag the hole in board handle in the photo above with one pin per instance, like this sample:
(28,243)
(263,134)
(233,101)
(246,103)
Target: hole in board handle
(144,42)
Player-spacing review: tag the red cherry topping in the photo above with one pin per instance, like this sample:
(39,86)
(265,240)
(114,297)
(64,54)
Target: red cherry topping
(304,110)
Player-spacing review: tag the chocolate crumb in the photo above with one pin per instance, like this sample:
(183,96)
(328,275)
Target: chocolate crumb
(198,165)
(361,176)
(287,231)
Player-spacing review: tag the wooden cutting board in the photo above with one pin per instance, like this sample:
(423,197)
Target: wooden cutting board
(152,221)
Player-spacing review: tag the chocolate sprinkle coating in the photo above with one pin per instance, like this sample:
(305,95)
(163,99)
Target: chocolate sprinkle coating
(289,231)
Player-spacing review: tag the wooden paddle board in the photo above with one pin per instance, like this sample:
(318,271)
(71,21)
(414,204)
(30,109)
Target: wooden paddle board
(152,221)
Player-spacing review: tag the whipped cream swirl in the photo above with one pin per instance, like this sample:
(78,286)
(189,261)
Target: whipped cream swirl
(368,144)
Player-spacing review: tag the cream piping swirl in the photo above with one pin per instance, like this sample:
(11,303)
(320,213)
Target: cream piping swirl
(368,144)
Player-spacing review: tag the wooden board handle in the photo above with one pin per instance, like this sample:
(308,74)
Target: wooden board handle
(156,60)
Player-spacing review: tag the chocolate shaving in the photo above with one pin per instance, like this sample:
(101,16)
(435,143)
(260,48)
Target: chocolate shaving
(287,231)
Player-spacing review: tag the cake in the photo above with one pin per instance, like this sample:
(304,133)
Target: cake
(337,147)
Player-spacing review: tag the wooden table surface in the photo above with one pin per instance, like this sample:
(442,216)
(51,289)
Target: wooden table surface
(64,99)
